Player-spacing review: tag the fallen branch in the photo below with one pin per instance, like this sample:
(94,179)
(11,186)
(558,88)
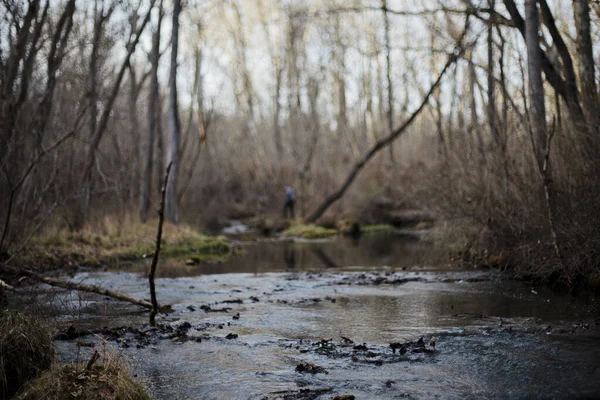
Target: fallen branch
(92,360)
(5,286)
(82,287)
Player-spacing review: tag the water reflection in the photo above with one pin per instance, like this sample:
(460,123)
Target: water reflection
(368,251)
(289,256)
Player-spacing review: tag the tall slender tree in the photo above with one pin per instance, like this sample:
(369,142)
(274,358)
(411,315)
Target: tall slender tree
(537,114)
(172,212)
(153,118)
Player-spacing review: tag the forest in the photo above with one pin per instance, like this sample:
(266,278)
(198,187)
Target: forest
(476,121)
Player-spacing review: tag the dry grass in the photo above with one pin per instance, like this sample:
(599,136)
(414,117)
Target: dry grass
(110,380)
(309,232)
(26,349)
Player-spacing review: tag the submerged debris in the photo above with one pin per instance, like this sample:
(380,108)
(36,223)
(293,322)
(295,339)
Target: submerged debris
(209,309)
(302,394)
(310,368)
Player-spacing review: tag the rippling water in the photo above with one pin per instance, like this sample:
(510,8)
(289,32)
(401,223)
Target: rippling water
(496,338)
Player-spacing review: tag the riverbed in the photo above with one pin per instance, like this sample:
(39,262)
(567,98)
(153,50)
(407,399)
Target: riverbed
(372,317)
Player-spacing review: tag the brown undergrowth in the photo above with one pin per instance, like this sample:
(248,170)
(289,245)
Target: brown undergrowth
(494,214)
(108,379)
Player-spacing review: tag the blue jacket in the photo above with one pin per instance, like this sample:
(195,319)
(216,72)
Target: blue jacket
(289,192)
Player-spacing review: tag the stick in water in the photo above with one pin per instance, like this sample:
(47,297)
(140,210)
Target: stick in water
(161,218)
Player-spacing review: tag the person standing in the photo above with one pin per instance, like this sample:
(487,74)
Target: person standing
(290,200)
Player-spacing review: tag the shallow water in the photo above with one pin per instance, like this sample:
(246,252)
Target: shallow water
(496,338)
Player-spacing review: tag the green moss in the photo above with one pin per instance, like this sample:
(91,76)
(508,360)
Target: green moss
(202,245)
(378,228)
(309,232)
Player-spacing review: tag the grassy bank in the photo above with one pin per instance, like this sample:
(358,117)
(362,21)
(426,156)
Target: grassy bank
(123,243)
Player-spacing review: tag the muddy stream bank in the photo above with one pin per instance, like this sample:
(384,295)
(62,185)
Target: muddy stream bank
(314,320)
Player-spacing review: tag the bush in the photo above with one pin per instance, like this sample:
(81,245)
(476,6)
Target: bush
(26,350)
(111,380)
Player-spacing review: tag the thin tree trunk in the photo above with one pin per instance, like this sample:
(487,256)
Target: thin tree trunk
(160,146)
(475,127)
(491,87)
(503,129)
(585,52)
(277,113)
(388,71)
(172,213)
(246,78)
(153,119)
(161,219)
(537,115)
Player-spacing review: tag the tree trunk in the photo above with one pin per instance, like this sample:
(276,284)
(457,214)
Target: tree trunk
(388,71)
(174,124)
(475,127)
(248,88)
(491,92)
(537,114)
(276,114)
(585,55)
(503,123)
(566,86)
(153,119)
(161,219)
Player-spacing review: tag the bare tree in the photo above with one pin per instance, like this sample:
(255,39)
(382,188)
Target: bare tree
(491,80)
(537,115)
(242,59)
(585,52)
(103,122)
(278,65)
(153,117)
(388,75)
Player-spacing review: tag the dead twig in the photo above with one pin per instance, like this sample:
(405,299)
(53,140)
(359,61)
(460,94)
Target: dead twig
(161,219)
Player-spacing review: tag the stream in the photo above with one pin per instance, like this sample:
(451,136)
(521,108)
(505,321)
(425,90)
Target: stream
(374,318)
